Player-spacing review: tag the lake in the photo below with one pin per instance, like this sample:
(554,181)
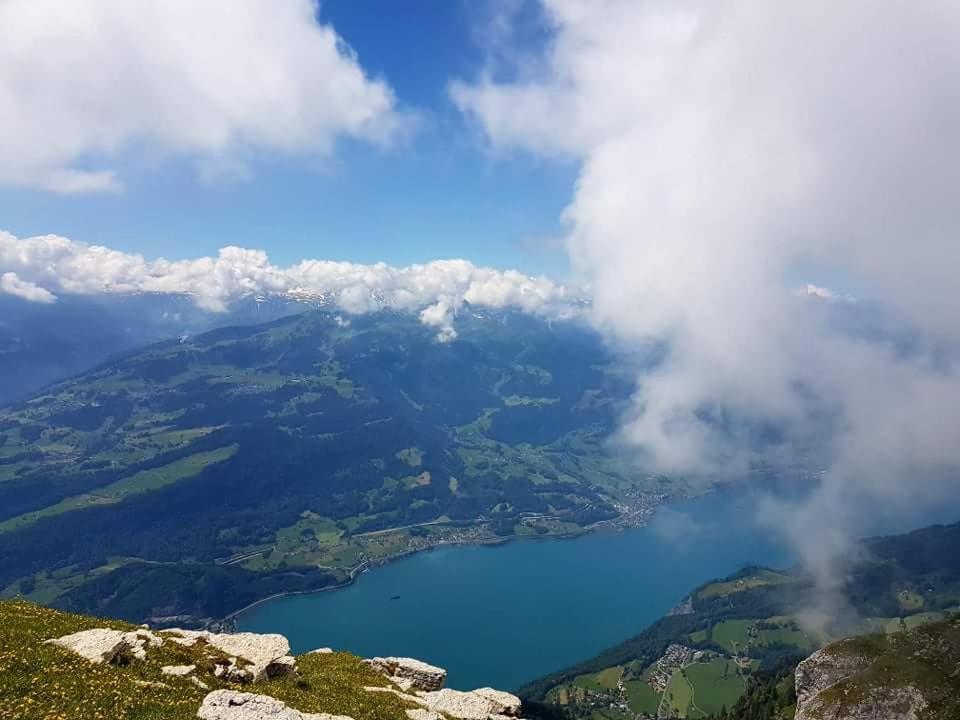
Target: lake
(504,615)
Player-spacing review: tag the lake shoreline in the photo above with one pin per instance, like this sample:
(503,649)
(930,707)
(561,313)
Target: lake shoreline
(531,608)
(611,525)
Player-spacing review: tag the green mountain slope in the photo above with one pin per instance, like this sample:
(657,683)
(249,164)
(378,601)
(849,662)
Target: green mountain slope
(742,635)
(198,475)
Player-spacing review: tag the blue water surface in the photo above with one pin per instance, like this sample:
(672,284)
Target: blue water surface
(507,614)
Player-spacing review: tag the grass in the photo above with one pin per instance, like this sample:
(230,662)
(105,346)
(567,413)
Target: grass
(44,682)
(738,636)
(924,659)
(679,695)
(604,681)
(761,578)
(608,714)
(135,484)
(641,698)
(609,678)
(715,684)
(734,635)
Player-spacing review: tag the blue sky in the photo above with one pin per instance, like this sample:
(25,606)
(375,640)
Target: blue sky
(439,193)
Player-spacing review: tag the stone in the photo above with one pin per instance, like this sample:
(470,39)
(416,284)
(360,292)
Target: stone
(281,666)
(266,655)
(102,645)
(482,704)
(320,651)
(177,670)
(405,684)
(823,669)
(826,668)
(461,705)
(232,705)
(422,675)
(199,683)
(422,714)
(507,703)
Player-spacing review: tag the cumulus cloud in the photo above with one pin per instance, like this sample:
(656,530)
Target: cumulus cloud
(436,290)
(85,81)
(10,284)
(725,145)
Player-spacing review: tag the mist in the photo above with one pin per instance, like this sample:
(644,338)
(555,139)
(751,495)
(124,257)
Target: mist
(771,191)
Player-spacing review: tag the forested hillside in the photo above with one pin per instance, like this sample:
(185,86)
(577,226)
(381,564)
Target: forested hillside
(199,474)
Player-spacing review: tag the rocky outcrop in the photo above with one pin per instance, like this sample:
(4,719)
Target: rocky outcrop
(410,674)
(482,704)
(836,684)
(252,657)
(824,669)
(266,656)
(102,645)
(232,705)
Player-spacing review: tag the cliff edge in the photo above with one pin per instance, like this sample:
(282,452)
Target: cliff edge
(912,675)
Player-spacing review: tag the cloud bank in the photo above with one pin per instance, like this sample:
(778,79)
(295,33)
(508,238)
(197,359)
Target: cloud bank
(40,268)
(724,147)
(85,81)
(11,284)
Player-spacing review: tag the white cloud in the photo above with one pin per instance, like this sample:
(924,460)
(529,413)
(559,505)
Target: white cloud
(85,81)
(724,145)
(437,290)
(10,284)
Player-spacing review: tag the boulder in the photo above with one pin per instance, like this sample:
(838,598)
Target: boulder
(482,704)
(232,705)
(266,656)
(460,705)
(420,675)
(102,645)
(422,714)
(507,703)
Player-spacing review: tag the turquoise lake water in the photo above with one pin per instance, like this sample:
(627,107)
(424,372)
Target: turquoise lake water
(507,614)
(504,615)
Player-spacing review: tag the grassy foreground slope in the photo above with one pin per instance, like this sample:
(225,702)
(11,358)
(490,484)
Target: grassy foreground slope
(44,682)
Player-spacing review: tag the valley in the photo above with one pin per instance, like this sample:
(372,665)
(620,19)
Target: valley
(291,455)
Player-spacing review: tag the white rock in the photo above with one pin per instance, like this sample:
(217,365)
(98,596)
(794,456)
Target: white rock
(177,670)
(424,676)
(199,683)
(405,684)
(282,666)
(508,704)
(320,651)
(422,714)
(101,645)
(268,655)
(462,705)
(232,705)
(483,704)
